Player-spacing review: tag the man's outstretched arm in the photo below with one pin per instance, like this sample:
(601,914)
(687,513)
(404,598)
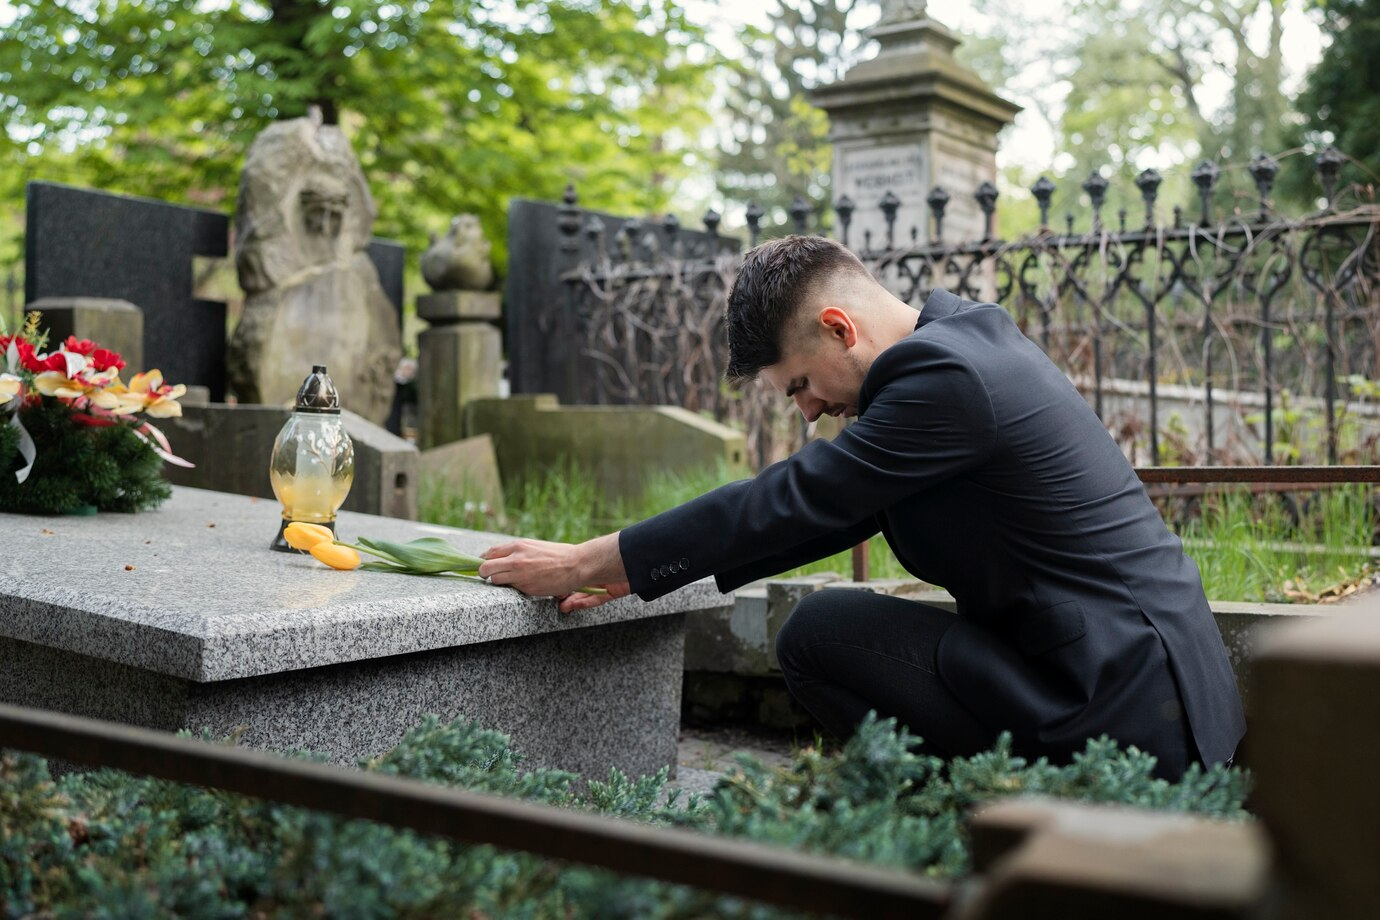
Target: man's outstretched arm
(546,569)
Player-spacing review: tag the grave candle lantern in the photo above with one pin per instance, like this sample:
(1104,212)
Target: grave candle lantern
(313,462)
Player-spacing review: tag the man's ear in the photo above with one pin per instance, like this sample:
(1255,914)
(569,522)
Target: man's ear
(839,325)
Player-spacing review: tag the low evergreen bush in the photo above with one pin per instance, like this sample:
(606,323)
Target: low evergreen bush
(108,844)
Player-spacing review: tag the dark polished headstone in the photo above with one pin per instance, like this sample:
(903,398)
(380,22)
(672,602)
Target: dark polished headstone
(388,257)
(84,243)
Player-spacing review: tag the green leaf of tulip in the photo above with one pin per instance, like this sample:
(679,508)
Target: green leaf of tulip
(424,556)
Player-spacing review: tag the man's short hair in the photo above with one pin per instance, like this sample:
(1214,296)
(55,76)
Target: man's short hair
(774,280)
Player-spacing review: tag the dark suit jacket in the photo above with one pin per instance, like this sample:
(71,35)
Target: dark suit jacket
(990,475)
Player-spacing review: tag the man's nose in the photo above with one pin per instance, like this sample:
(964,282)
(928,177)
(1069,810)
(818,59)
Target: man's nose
(809,407)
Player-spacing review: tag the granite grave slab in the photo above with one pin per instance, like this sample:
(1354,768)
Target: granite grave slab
(182,618)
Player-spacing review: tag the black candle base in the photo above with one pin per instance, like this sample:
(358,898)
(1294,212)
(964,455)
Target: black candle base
(280,544)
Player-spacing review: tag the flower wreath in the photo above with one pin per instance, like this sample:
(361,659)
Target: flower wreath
(68,427)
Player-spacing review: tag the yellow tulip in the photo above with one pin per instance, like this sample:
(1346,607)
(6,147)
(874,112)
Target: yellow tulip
(335,556)
(303,536)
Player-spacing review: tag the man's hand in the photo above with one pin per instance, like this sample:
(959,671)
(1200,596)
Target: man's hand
(546,569)
(581,601)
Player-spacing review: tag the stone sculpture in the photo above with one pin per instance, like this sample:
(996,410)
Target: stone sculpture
(895,11)
(459,261)
(313,296)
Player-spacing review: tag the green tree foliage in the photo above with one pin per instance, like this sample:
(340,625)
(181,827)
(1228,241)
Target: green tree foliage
(451,105)
(1341,102)
(1137,97)
(775,147)
(114,845)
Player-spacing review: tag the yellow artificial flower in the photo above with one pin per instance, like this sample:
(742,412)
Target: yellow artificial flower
(56,383)
(117,399)
(335,556)
(160,401)
(10,387)
(303,536)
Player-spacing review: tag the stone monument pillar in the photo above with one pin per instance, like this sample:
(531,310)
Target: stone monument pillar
(303,224)
(907,120)
(459,356)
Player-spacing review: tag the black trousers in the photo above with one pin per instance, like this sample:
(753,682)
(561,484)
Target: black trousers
(844,653)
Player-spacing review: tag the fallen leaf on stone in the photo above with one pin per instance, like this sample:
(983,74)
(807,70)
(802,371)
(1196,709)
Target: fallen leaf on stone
(210,525)
(129,568)
(45,532)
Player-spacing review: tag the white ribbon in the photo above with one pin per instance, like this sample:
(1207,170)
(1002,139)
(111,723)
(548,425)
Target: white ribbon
(27,450)
(159,442)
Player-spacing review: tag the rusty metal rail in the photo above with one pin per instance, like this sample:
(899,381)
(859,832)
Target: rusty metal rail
(773,875)
(1303,476)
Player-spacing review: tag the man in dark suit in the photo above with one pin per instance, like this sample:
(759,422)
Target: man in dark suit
(1078,613)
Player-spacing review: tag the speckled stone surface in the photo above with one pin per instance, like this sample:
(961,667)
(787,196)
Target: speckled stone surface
(191,590)
(211,629)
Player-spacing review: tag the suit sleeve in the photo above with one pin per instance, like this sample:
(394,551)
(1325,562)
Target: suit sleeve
(795,556)
(929,419)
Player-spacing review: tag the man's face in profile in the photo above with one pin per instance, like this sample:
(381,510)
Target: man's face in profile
(819,369)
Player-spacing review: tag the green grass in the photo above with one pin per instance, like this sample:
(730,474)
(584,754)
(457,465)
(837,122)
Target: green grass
(1251,548)
(1248,548)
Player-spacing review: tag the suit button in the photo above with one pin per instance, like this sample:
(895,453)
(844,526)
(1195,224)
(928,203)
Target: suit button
(665,570)
(685,565)
(655,574)
(675,567)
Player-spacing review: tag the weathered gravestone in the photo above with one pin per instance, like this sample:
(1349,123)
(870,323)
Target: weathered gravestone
(909,119)
(460,354)
(314,297)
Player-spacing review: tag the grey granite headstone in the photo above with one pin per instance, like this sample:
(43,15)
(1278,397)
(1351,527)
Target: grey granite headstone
(182,617)
(84,243)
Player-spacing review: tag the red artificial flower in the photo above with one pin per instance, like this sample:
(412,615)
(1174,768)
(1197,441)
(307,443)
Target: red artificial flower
(28,359)
(84,348)
(92,421)
(104,359)
(54,362)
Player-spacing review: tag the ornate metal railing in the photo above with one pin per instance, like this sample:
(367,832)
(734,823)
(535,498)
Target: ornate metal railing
(1247,313)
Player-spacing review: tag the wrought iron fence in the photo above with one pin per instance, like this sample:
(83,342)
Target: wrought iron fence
(1247,312)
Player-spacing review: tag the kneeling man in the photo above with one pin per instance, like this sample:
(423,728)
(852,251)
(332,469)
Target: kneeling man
(1078,613)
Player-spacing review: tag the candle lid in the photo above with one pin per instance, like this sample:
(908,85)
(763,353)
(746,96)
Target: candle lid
(318,393)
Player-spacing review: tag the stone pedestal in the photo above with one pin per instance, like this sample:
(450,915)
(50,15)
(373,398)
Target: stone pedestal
(114,324)
(459,360)
(909,120)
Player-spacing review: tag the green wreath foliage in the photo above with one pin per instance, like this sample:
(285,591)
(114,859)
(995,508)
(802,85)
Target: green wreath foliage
(109,467)
(110,844)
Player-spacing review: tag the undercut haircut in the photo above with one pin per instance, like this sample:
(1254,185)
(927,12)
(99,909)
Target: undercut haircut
(775,280)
